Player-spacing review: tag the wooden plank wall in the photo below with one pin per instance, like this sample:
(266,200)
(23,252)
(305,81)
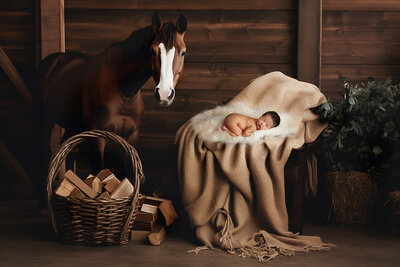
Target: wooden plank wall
(359,39)
(17,38)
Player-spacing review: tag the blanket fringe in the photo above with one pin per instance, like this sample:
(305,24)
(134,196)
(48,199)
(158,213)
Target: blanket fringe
(200,248)
(261,253)
(322,248)
(256,247)
(227,241)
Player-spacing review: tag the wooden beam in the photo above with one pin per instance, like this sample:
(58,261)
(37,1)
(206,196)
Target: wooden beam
(309,41)
(52,34)
(52,26)
(15,78)
(362,5)
(182,4)
(38,36)
(12,163)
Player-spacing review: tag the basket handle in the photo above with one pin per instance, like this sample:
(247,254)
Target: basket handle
(75,140)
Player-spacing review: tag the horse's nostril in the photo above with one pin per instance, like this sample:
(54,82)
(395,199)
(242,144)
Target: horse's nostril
(157,93)
(171,92)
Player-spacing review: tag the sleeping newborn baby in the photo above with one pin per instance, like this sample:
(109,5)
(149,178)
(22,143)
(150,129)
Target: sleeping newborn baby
(236,124)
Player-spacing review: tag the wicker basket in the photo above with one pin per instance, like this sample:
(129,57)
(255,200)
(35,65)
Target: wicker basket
(91,220)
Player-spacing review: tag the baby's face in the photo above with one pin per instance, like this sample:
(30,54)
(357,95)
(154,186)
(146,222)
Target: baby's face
(265,122)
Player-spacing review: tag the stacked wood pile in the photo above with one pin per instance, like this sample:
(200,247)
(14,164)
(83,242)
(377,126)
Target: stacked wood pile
(154,216)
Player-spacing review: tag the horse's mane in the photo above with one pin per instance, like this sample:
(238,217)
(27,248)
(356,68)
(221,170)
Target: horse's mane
(141,39)
(167,33)
(136,43)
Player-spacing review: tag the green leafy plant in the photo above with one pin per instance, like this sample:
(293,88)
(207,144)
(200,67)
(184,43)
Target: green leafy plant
(363,130)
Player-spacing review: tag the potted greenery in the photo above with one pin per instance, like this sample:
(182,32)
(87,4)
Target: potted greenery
(360,146)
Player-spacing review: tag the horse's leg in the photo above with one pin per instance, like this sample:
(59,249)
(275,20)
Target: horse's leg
(97,147)
(127,167)
(137,115)
(57,133)
(42,158)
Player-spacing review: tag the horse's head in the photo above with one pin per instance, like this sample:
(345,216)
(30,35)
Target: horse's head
(169,51)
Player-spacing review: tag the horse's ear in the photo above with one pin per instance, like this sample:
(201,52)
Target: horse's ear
(156,22)
(181,24)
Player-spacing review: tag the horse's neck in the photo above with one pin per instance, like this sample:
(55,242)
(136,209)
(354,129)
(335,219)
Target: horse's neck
(134,59)
(134,75)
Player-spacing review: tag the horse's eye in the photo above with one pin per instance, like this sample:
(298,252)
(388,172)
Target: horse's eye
(183,53)
(152,51)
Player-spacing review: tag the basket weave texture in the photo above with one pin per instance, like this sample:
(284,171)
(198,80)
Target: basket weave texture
(91,220)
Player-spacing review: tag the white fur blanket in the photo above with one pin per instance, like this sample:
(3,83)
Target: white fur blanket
(208,124)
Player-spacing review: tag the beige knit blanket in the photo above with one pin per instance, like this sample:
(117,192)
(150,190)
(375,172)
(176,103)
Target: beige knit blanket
(234,192)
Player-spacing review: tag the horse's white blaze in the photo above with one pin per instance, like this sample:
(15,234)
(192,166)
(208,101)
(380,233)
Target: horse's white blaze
(166,74)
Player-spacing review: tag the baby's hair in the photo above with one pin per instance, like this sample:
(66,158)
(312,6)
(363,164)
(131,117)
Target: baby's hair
(275,117)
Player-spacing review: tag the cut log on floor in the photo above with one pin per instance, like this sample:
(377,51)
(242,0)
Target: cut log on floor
(158,235)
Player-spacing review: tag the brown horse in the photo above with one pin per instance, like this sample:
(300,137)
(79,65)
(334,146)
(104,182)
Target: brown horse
(103,92)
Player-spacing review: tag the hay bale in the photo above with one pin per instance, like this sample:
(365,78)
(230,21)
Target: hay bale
(394,200)
(394,197)
(352,196)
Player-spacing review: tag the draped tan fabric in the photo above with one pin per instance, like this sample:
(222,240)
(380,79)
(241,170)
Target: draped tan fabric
(234,193)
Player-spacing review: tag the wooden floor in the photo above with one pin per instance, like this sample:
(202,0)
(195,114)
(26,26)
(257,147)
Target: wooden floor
(26,239)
